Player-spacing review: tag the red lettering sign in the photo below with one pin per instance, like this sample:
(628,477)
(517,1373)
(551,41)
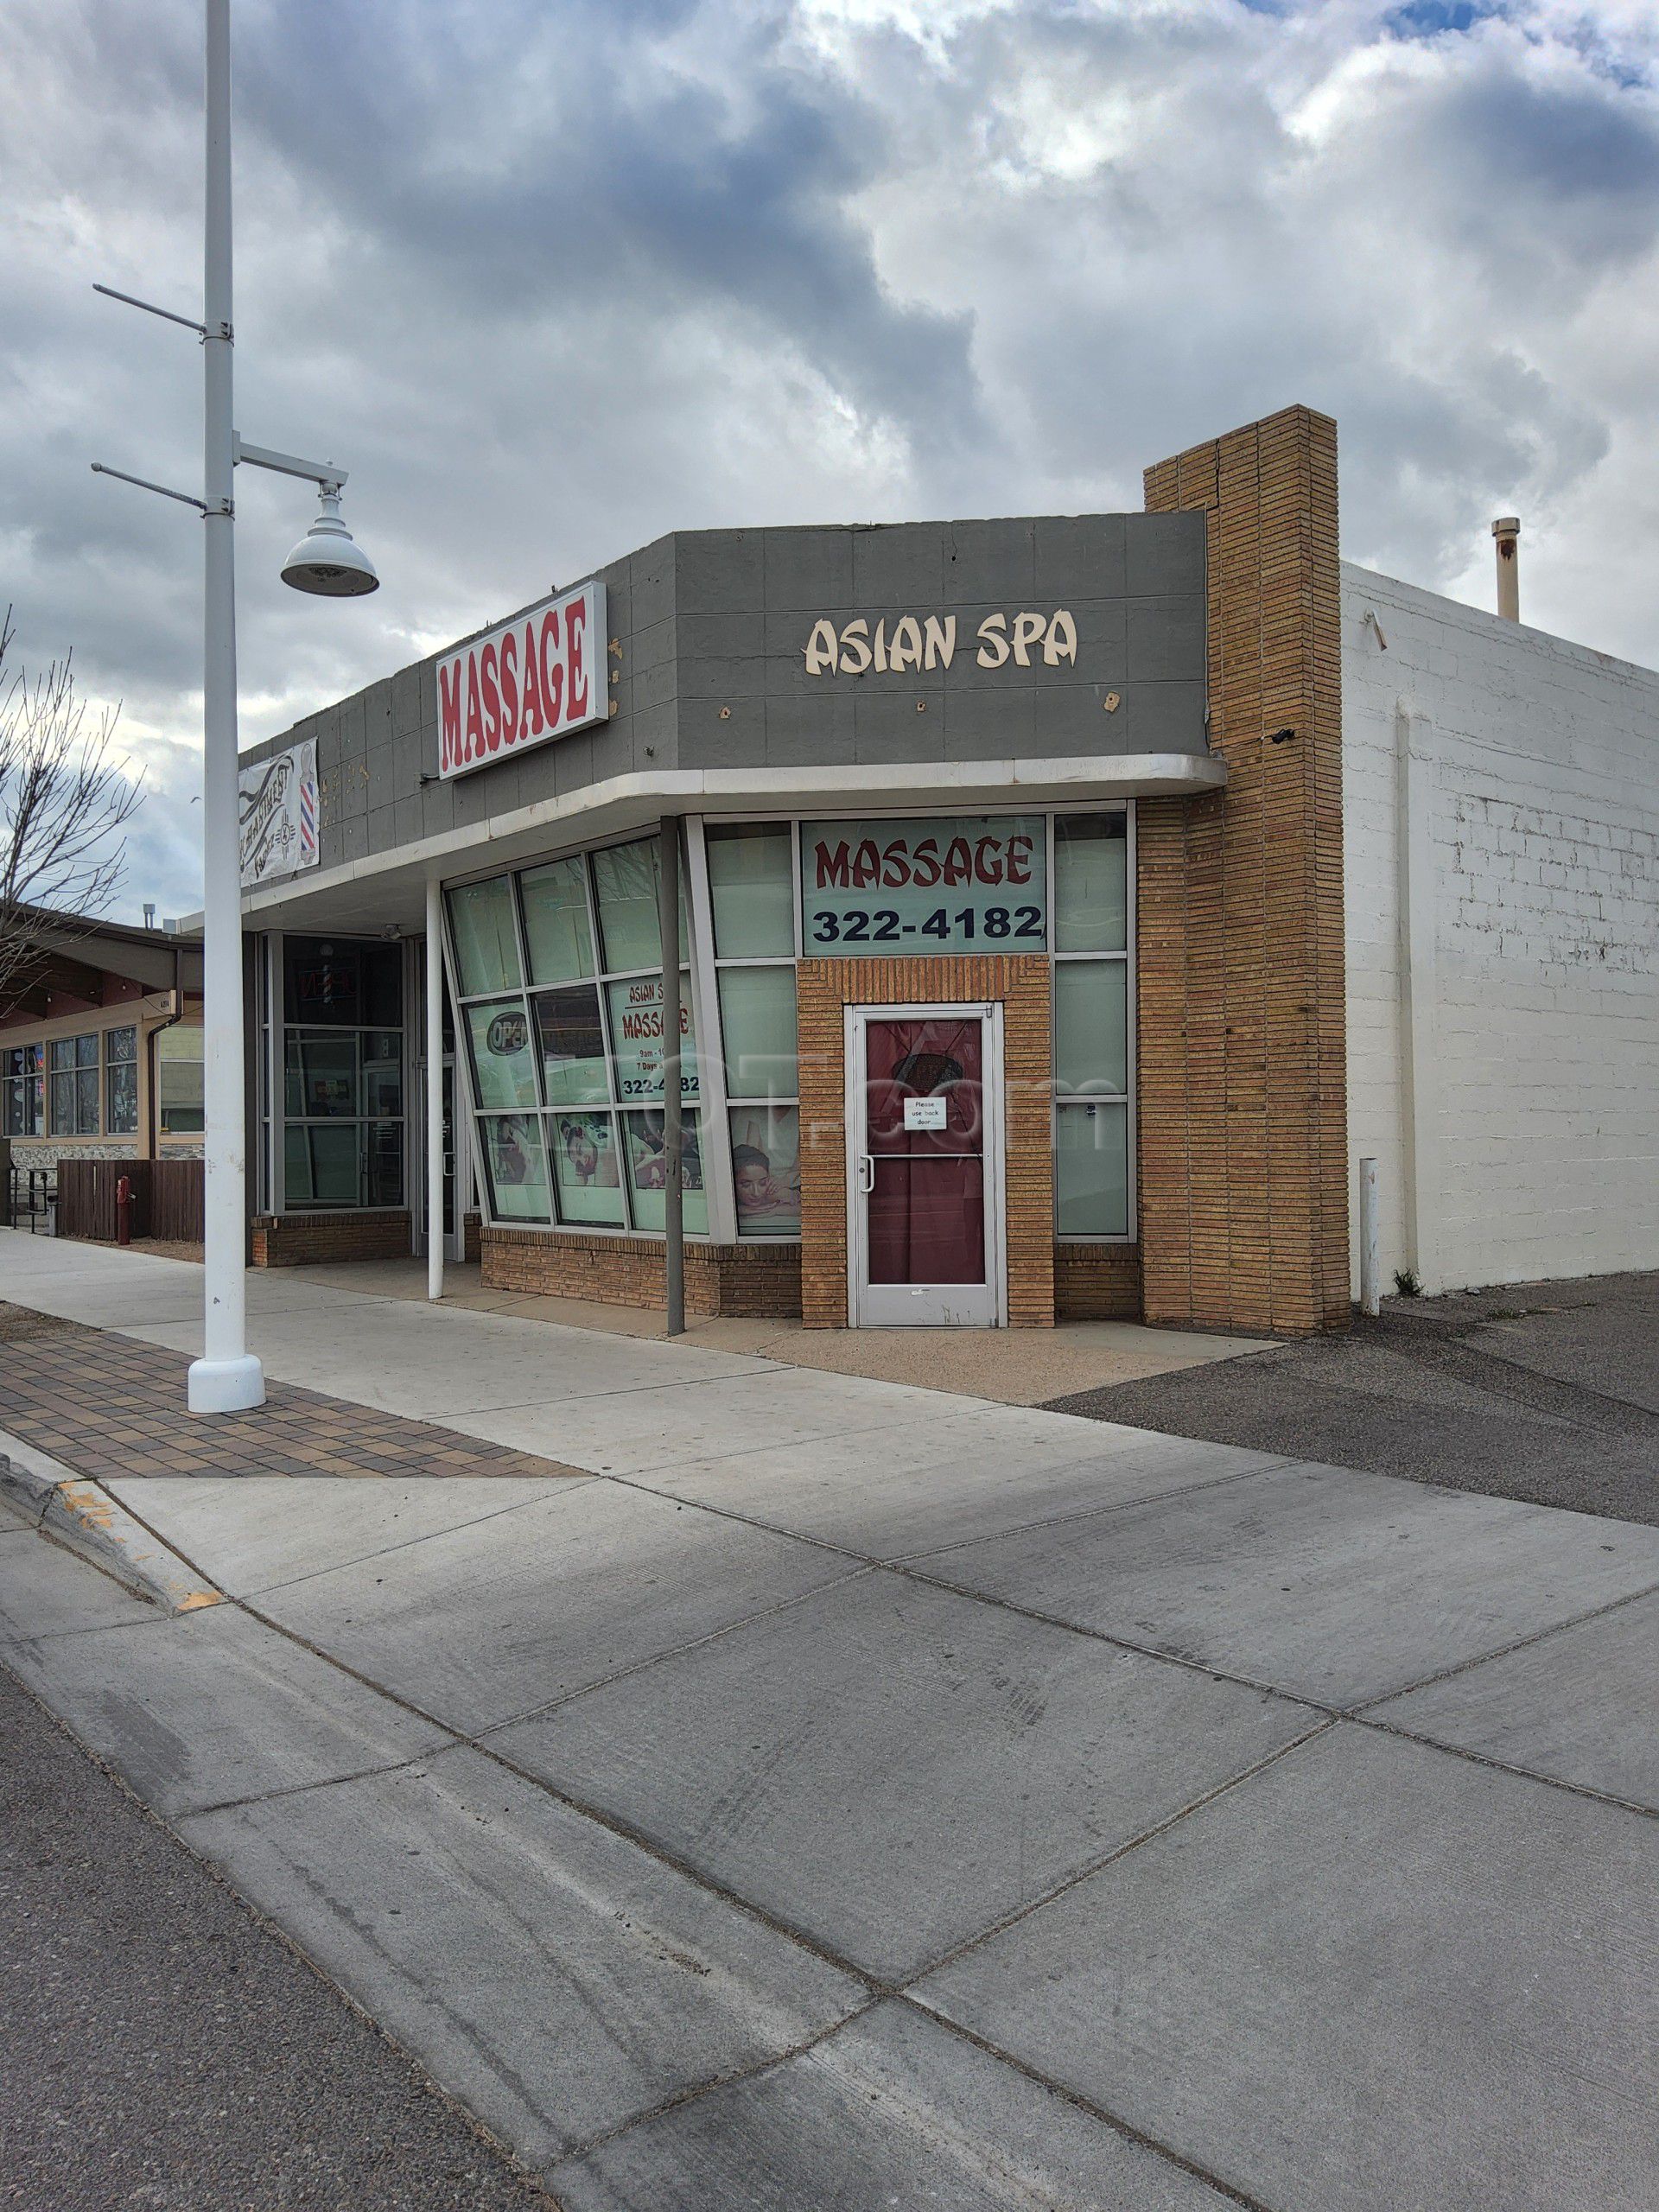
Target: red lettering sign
(535,678)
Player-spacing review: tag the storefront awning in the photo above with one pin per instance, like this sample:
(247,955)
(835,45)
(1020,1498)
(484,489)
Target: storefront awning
(386,890)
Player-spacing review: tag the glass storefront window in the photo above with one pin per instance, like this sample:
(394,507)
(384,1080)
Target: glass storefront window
(558,935)
(636,1011)
(179,1080)
(572,1045)
(648,1173)
(384,1163)
(625,884)
(515,1164)
(1091,1177)
(24,1091)
(320,1165)
(75,1087)
(321,1067)
(766,1170)
(569,1049)
(486,936)
(751,889)
(382,1073)
(757,1015)
(121,1080)
(342,1075)
(503,1068)
(586,1169)
(1091,909)
(1091,1046)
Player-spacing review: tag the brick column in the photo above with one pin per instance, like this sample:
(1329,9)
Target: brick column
(1242,1035)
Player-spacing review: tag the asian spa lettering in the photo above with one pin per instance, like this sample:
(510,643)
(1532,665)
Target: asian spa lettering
(537,677)
(930,642)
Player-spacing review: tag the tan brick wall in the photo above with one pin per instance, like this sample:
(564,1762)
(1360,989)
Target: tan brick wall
(1096,1283)
(1242,1107)
(759,1281)
(825,989)
(302,1240)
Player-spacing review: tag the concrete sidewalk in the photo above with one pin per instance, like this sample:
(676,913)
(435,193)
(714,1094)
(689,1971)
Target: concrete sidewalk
(856,1794)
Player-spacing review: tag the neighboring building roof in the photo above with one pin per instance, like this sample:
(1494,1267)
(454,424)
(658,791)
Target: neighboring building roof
(72,954)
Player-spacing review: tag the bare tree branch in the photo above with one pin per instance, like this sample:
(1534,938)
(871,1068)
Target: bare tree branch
(64,797)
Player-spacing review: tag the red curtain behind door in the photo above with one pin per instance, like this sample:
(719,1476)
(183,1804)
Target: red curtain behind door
(926,1210)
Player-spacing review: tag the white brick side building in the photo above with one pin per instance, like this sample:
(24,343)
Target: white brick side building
(1501,819)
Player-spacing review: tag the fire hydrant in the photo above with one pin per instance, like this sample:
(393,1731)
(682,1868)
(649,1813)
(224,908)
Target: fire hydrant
(124,1211)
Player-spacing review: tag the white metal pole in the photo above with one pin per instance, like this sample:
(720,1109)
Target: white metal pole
(1370,1294)
(436,1227)
(227,1378)
(668,915)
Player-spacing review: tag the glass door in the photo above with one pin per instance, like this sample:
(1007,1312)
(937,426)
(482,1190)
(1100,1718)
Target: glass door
(925,1166)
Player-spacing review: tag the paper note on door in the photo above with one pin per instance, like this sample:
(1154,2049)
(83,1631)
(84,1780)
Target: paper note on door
(925,1112)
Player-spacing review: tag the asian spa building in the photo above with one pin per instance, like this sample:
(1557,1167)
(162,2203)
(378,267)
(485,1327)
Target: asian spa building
(1069,903)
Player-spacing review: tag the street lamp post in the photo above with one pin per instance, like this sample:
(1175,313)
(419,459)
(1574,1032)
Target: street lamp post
(228,1377)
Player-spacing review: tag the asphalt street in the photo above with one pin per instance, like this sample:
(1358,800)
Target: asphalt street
(1546,1392)
(162,2051)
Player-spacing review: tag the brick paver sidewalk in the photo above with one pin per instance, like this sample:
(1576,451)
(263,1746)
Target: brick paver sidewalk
(107,1405)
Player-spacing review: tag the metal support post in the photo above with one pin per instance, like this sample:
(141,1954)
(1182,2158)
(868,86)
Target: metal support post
(1370,1291)
(437,1226)
(668,912)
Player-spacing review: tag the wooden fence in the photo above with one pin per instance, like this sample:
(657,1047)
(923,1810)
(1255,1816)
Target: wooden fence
(167,1199)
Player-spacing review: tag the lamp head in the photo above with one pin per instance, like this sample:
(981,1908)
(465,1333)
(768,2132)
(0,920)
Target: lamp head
(327,561)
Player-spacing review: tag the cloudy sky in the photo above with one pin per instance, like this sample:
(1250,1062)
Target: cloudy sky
(552,276)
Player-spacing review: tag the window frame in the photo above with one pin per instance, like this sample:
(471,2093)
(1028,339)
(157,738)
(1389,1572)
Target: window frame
(78,1066)
(713,1105)
(699,1110)
(15,1087)
(108,1064)
(276,1118)
(717,966)
(1058,1105)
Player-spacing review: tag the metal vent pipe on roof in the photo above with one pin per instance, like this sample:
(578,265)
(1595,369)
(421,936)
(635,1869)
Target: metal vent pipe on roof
(1507,531)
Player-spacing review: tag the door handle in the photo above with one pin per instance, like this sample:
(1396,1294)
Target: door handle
(865,1174)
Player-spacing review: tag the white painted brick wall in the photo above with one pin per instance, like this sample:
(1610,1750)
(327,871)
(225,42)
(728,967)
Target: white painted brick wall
(1544,806)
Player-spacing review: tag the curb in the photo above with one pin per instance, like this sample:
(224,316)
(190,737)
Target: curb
(83,1517)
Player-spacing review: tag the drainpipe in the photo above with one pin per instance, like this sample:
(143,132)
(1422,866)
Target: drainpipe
(1419,993)
(153,1112)
(1507,531)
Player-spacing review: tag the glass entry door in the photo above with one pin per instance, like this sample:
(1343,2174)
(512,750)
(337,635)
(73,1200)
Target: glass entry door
(924,1131)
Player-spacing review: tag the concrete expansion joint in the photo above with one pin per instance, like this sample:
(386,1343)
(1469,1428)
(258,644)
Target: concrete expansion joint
(727,2079)
(1116,2121)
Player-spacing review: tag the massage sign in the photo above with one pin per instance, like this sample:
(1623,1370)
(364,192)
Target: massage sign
(537,677)
(963,883)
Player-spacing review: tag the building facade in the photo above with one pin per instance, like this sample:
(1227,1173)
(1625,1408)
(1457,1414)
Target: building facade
(100,1046)
(1015,922)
